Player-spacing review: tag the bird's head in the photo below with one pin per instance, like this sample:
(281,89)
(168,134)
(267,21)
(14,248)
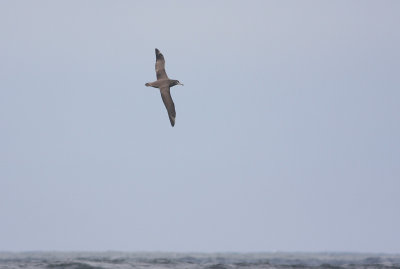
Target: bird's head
(176,82)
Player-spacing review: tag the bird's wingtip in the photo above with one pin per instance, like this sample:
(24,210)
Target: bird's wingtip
(172,120)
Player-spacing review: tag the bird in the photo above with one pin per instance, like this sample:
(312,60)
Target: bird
(164,83)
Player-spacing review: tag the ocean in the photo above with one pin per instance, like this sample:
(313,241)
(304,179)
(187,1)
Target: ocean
(157,260)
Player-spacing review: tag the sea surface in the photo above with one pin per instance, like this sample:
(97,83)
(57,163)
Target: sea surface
(150,260)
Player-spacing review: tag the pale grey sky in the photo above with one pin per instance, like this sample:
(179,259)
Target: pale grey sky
(286,136)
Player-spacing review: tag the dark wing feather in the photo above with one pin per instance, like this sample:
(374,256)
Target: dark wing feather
(169,104)
(160,66)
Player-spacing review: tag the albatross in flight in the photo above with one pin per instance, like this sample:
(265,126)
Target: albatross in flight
(164,83)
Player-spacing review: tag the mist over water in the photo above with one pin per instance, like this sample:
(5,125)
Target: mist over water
(122,260)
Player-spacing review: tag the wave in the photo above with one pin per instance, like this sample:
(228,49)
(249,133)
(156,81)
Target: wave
(72,265)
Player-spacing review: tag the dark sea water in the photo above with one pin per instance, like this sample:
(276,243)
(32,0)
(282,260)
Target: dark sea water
(150,260)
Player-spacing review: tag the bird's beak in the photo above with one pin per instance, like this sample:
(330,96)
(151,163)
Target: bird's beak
(180,84)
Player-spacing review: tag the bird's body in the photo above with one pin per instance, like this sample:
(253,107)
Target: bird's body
(164,84)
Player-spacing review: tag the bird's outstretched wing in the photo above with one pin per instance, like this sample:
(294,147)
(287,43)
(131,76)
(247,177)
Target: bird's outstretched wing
(160,66)
(169,104)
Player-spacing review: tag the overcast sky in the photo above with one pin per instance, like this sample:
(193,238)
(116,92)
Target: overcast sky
(287,133)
